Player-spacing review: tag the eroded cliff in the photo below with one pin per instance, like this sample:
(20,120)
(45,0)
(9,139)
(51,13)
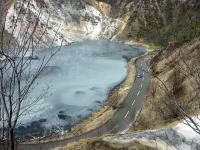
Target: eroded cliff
(75,20)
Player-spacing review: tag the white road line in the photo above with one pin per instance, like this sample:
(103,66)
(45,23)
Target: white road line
(143,79)
(138,93)
(143,73)
(126,115)
(141,86)
(133,102)
(125,131)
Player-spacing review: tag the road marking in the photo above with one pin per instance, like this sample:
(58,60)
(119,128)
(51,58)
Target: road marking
(143,73)
(138,93)
(141,86)
(143,79)
(125,131)
(133,102)
(126,115)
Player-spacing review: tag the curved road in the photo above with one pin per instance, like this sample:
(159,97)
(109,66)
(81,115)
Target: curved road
(122,119)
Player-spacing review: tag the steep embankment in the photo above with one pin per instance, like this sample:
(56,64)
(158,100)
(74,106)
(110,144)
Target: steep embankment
(163,139)
(101,144)
(175,78)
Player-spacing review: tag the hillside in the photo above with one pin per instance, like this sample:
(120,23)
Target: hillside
(152,20)
(175,76)
(172,26)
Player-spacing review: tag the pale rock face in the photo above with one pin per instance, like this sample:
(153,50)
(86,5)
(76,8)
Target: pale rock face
(76,20)
(71,20)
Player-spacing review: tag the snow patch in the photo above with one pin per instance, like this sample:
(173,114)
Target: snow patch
(187,131)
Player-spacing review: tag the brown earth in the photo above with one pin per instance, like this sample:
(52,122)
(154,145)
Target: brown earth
(99,144)
(175,76)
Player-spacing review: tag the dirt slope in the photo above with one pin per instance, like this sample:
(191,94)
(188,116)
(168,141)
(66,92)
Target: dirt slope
(175,76)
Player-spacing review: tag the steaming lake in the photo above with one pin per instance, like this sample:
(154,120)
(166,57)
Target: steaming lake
(79,78)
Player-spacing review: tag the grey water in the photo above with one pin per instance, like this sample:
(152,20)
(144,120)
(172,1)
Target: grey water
(77,80)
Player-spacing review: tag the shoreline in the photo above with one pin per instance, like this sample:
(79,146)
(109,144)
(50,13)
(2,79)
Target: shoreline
(106,111)
(148,47)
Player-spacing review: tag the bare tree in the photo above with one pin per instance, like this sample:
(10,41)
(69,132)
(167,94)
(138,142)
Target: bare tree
(17,78)
(186,67)
(191,70)
(153,89)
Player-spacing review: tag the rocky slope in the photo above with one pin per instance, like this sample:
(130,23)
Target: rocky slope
(71,20)
(157,21)
(162,139)
(175,78)
(75,20)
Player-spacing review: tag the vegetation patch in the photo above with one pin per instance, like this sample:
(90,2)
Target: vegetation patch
(174,83)
(99,144)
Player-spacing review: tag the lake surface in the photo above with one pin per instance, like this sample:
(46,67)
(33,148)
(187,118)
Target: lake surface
(78,78)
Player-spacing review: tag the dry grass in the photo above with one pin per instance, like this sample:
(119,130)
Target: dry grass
(143,44)
(158,110)
(99,144)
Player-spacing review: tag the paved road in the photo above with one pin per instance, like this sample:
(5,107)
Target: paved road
(122,119)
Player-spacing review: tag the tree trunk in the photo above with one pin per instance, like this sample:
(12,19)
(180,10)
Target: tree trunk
(11,139)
